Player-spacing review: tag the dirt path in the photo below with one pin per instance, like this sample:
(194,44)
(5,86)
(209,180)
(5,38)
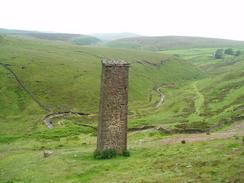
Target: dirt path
(162,97)
(237,129)
(48,118)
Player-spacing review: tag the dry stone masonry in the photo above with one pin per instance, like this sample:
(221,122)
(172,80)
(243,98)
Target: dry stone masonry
(112,125)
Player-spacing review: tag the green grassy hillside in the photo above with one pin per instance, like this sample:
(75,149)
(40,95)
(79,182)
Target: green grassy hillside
(74,38)
(215,100)
(201,94)
(114,36)
(172,42)
(200,91)
(150,161)
(65,77)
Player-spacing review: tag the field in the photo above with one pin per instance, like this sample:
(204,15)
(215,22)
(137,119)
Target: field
(172,42)
(150,161)
(201,95)
(78,39)
(65,77)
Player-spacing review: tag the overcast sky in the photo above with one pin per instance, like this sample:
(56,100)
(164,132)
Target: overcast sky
(207,18)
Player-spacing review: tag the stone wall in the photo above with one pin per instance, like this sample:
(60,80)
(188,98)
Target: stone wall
(112,126)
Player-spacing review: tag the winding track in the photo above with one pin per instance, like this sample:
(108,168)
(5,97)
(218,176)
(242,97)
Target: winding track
(236,129)
(48,118)
(162,97)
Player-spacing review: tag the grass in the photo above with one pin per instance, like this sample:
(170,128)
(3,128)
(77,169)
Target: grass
(172,42)
(65,77)
(200,93)
(199,101)
(72,38)
(72,161)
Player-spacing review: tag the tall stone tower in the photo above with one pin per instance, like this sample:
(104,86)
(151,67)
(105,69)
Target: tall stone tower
(112,126)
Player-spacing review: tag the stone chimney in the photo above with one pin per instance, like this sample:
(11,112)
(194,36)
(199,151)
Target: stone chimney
(112,125)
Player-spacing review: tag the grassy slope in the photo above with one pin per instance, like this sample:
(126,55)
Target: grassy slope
(72,161)
(217,99)
(75,38)
(114,36)
(65,77)
(45,66)
(172,42)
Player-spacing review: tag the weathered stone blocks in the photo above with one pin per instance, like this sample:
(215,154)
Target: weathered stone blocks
(112,125)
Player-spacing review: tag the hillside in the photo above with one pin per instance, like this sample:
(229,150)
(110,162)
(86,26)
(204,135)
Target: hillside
(74,38)
(172,42)
(201,92)
(65,77)
(151,160)
(202,98)
(219,98)
(114,36)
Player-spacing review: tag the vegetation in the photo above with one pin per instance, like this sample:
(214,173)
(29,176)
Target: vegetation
(74,38)
(172,42)
(105,154)
(1,38)
(202,94)
(219,54)
(114,36)
(61,75)
(229,51)
(238,53)
(85,40)
(126,153)
(151,161)
(187,102)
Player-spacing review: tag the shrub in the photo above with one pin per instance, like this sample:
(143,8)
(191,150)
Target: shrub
(219,53)
(238,53)
(183,141)
(229,51)
(126,153)
(105,154)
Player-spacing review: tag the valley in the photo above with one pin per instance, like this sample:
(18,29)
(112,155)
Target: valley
(49,99)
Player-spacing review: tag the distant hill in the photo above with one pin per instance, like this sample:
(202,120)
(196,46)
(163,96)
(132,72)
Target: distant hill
(1,38)
(114,36)
(75,38)
(172,42)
